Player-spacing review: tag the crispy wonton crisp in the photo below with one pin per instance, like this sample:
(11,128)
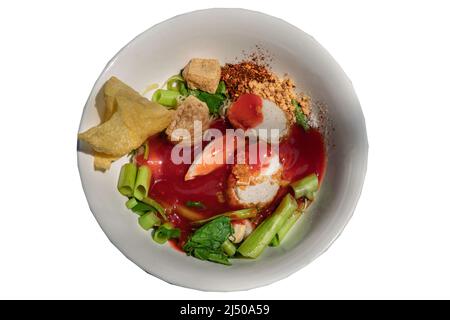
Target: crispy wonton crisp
(133,119)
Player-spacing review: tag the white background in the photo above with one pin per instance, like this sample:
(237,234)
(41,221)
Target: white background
(397,54)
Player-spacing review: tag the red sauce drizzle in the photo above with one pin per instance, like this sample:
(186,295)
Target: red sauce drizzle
(246,112)
(301,153)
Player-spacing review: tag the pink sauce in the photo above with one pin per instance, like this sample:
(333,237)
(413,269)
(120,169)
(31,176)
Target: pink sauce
(301,153)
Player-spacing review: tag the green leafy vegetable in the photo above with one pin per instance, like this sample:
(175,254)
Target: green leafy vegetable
(214,101)
(300,117)
(218,257)
(195,204)
(221,88)
(166,232)
(206,242)
(176,86)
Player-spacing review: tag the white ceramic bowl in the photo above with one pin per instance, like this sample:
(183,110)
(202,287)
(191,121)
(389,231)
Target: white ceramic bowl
(223,33)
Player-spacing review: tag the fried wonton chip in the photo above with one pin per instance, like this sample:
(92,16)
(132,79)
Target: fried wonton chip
(145,118)
(112,137)
(134,119)
(112,89)
(103,161)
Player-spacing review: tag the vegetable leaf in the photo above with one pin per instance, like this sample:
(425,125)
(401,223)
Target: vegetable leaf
(300,117)
(214,101)
(206,242)
(219,257)
(221,88)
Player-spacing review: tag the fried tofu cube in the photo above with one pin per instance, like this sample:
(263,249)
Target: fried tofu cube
(182,129)
(203,74)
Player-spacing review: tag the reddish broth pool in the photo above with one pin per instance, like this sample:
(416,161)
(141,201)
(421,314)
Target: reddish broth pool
(301,154)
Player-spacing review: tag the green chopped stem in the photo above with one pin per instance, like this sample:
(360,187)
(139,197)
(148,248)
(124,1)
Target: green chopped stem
(281,234)
(149,220)
(306,187)
(195,204)
(142,185)
(260,238)
(161,235)
(131,203)
(127,179)
(155,205)
(142,208)
(311,195)
(183,90)
(166,98)
(229,248)
(241,214)
(187,213)
(233,215)
(174,83)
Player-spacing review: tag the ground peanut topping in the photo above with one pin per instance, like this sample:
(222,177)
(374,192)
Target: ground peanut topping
(237,76)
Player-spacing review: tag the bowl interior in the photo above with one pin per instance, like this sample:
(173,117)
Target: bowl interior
(224,33)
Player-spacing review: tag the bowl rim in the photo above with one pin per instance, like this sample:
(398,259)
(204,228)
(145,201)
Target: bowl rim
(294,268)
